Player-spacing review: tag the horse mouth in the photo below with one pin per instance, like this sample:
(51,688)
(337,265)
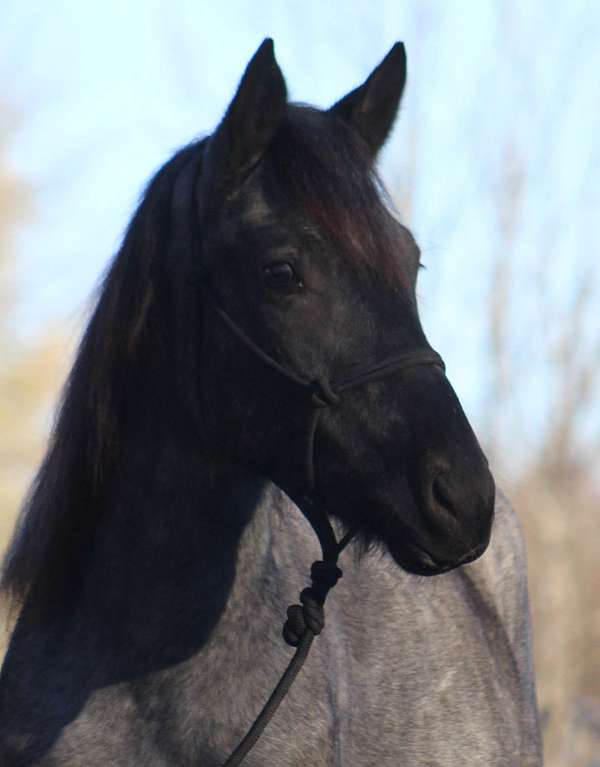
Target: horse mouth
(417,561)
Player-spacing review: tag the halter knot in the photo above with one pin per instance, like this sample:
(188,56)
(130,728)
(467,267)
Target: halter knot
(310,615)
(322,394)
(324,576)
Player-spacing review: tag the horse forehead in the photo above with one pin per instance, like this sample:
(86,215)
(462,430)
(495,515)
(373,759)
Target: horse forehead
(256,211)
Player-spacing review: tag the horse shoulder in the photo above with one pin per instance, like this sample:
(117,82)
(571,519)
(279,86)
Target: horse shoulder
(500,578)
(497,584)
(445,662)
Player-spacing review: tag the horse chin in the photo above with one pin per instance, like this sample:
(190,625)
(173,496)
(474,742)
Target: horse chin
(415,560)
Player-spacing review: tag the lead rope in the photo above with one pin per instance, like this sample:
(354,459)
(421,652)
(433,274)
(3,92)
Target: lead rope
(304,622)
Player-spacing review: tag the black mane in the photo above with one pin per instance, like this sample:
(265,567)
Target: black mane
(138,361)
(127,354)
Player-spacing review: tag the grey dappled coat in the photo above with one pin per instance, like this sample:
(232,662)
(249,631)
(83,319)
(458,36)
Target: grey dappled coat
(435,672)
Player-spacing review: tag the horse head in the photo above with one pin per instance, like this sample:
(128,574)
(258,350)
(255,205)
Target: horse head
(304,259)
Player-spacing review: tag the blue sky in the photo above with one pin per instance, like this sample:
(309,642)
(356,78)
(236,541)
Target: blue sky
(105,92)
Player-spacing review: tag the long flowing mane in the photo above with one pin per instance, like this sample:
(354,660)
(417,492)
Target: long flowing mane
(126,355)
(134,375)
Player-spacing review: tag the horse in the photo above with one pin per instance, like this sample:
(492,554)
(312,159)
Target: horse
(168,525)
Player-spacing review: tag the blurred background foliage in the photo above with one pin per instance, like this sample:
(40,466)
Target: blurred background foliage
(510,236)
(30,370)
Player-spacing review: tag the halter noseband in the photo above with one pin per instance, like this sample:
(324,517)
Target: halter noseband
(319,394)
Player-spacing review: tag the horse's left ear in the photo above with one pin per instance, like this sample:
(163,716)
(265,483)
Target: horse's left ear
(371,108)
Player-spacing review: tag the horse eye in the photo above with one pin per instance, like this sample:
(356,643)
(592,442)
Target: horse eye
(281,275)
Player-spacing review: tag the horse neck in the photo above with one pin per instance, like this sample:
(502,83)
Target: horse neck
(167,560)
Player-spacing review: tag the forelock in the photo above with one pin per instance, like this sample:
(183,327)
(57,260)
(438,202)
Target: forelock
(325,174)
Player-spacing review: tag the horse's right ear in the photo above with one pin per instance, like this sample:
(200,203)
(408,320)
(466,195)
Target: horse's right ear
(249,123)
